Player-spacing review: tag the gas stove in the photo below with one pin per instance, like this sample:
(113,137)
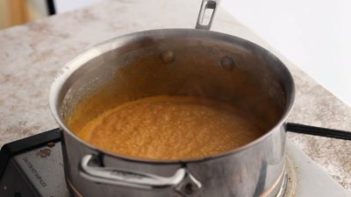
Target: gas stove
(33,167)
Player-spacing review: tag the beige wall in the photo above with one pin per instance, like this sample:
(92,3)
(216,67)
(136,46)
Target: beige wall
(37,8)
(15,12)
(3,13)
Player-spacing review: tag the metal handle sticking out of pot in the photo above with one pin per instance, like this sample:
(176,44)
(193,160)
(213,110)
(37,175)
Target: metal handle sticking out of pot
(182,181)
(207,7)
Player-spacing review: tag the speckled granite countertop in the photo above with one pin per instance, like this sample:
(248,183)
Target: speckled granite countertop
(32,54)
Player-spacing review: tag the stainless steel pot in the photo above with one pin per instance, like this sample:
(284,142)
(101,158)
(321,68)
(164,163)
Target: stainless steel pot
(188,62)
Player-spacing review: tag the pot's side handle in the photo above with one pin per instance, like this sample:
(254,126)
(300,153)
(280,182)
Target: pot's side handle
(206,6)
(181,181)
(318,131)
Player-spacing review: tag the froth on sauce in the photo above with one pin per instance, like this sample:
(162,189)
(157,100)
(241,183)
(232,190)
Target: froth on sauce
(169,128)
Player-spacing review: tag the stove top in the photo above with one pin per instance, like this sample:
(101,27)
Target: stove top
(33,167)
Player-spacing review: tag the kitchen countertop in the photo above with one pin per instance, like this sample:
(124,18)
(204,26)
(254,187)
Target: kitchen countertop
(32,54)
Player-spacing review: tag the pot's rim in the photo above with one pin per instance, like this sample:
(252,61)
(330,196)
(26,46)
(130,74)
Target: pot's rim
(115,42)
